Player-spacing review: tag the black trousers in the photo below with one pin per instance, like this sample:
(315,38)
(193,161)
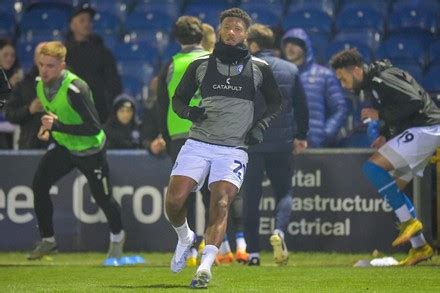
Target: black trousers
(279,169)
(57,163)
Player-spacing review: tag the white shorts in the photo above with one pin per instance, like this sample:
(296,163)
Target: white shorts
(410,151)
(196,159)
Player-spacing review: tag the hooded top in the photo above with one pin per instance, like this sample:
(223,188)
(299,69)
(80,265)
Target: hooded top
(120,136)
(325,97)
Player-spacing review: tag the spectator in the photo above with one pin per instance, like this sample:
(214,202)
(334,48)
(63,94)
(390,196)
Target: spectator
(92,61)
(121,128)
(151,134)
(24,108)
(10,65)
(9,62)
(209,37)
(274,154)
(325,97)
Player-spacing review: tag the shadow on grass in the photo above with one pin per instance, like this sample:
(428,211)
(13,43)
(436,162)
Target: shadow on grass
(153,286)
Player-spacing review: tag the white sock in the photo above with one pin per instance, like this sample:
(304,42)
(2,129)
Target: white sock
(254,254)
(208,257)
(418,240)
(193,252)
(183,232)
(281,233)
(241,243)
(403,214)
(49,239)
(225,247)
(117,237)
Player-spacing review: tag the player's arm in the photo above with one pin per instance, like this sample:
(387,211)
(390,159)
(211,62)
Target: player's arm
(80,98)
(272,96)
(185,91)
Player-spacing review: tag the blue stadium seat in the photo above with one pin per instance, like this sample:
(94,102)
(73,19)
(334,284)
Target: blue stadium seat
(170,7)
(413,18)
(434,53)
(309,19)
(379,5)
(326,6)
(141,51)
(336,46)
(276,7)
(402,48)
(432,5)
(106,23)
(170,50)
(319,44)
(264,15)
(208,12)
(140,70)
(360,16)
(368,37)
(147,20)
(44,19)
(7,24)
(431,80)
(156,38)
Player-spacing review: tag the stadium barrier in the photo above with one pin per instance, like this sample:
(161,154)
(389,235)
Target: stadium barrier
(334,207)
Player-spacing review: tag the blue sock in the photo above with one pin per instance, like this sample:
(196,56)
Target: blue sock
(410,206)
(385,185)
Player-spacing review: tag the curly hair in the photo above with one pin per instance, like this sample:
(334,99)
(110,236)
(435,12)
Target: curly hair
(346,58)
(236,12)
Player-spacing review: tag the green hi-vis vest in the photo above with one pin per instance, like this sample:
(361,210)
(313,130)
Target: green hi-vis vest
(60,106)
(176,125)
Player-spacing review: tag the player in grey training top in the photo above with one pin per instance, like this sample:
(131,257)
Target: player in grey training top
(222,126)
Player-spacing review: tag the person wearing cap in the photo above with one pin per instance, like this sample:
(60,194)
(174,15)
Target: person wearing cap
(72,126)
(325,97)
(88,58)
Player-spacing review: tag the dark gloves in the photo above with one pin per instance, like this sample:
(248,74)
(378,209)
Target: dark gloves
(196,114)
(255,135)
(5,88)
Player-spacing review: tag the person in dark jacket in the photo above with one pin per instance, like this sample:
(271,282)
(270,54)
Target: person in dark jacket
(122,128)
(409,136)
(24,108)
(287,134)
(88,58)
(326,100)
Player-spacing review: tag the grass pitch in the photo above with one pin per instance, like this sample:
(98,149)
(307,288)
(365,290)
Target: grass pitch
(306,272)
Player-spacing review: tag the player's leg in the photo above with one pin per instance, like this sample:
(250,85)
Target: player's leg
(279,171)
(252,192)
(228,167)
(54,165)
(95,168)
(188,175)
(407,153)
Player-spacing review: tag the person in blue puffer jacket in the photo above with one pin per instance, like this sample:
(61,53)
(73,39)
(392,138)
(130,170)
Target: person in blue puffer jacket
(325,97)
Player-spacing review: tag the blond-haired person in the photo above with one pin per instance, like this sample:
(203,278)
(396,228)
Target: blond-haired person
(72,124)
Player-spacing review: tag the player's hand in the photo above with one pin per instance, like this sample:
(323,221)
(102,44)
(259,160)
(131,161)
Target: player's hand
(35,106)
(158,145)
(299,146)
(43,134)
(378,142)
(196,114)
(48,120)
(369,113)
(255,135)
